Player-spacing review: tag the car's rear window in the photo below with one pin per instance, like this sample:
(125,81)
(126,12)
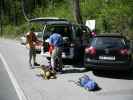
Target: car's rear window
(108,42)
(64,29)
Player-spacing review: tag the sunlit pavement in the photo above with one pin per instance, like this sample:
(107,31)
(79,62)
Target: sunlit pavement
(63,88)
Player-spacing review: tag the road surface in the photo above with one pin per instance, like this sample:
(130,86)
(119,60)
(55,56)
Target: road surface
(32,87)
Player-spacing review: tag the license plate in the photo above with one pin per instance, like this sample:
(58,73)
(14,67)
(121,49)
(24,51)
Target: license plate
(107,57)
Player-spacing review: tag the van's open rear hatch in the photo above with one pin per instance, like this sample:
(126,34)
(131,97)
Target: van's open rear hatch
(48,20)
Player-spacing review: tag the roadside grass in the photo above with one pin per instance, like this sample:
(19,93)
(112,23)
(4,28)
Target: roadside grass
(13,32)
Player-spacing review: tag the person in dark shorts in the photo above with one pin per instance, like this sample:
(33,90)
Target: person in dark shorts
(56,42)
(31,42)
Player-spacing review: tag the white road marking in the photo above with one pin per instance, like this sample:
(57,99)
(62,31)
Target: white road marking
(18,90)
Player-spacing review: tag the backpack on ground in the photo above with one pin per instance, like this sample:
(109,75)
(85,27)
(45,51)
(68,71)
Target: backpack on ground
(88,83)
(47,73)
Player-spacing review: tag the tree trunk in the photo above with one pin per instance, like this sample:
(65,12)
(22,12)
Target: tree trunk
(23,10)
(77,14)
(1,16)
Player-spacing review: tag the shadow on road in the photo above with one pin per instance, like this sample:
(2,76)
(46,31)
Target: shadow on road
(114,74)
(74,70)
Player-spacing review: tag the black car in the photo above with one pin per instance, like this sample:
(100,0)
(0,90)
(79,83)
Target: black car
(75,38)
(108,52)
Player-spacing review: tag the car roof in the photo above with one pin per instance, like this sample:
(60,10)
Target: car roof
(111,35)
(58,23)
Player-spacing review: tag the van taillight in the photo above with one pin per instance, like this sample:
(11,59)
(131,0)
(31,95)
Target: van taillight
(90,50)
(124,51)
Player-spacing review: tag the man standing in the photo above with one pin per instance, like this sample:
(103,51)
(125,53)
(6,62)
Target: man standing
(31,41)
(56,42)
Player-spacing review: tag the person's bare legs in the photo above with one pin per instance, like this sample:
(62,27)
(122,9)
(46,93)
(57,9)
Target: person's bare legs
(56,59)
(30,56)
(53,58)
(34,58)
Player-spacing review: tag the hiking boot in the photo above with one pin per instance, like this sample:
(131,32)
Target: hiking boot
(31,66)
(60,72)
(36,64)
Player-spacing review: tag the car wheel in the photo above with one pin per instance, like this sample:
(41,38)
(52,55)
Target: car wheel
(130,71)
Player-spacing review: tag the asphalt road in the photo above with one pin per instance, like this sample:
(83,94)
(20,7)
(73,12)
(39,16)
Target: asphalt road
(7,91)
(113,86)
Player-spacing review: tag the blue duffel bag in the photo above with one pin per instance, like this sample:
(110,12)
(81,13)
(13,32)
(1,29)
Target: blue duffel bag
(88,83)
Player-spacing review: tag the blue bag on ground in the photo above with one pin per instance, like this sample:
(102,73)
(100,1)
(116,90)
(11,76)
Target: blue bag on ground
(88,83)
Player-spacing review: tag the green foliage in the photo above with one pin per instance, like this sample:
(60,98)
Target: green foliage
(14,32)
(61,10)
(90,9)
(110,15)
(9,31)
(115,18)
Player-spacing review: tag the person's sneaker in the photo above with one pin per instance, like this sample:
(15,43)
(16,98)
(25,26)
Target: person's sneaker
(31,66)
(61,72)
(36,64)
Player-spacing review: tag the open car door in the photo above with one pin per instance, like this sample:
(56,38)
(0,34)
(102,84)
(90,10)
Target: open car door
(46,21)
